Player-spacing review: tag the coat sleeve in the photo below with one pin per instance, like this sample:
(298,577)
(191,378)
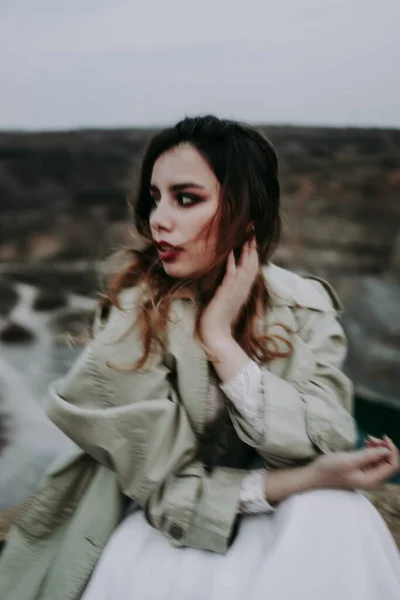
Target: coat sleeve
(309,411)
(132,421)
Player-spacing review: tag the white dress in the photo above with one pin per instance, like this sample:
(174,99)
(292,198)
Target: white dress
(324,544)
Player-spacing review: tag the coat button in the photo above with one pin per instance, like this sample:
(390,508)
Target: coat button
(176,532)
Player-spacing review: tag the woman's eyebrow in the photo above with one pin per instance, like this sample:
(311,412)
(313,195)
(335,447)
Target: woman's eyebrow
(178,187)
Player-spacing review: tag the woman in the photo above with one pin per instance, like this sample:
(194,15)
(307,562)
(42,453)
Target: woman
(213,419)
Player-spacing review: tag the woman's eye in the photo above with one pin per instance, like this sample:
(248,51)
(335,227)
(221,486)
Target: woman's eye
(186,200)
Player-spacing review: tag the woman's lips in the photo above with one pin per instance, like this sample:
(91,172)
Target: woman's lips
(168,254)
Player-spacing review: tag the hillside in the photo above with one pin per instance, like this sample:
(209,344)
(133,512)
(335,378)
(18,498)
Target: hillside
(62,196)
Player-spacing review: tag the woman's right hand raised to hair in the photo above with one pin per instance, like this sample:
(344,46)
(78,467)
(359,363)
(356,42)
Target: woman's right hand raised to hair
(365,469)
(222,312)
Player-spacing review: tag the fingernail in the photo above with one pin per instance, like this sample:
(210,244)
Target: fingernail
(372,443)
(384,451)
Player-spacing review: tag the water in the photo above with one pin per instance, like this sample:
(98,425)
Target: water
(33,442)
(40,366)
(43,360)
(26,371)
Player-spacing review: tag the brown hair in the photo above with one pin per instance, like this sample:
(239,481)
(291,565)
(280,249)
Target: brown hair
(246,165)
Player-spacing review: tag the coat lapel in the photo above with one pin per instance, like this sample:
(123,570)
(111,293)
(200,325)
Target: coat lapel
(188,363)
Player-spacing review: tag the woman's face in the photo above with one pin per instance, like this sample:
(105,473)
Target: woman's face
(186,192)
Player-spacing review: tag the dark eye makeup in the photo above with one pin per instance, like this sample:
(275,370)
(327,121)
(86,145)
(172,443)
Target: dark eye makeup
(184,199)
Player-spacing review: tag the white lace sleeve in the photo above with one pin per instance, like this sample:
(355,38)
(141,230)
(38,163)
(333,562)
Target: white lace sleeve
(252,493)
(246,394)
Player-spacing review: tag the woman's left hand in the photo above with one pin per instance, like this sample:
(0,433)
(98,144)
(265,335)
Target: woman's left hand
(224,308)
(365,469)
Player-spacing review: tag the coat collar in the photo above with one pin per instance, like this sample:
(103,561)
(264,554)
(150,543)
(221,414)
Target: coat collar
(289,289)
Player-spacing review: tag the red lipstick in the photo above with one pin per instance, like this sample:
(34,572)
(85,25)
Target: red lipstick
(166,251)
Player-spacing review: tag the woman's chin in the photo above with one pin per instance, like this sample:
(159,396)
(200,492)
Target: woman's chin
(178,270)
(175,270)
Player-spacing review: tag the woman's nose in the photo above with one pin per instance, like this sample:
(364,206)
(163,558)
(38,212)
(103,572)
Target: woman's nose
(161,218)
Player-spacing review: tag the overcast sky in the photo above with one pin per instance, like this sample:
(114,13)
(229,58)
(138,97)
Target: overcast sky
(89,63)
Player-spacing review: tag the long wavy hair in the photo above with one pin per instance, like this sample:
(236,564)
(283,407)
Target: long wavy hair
(246,166)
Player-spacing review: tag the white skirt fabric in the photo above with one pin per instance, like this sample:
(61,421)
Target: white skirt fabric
(325,544)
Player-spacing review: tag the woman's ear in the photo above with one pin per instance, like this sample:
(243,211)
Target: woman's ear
(250,228)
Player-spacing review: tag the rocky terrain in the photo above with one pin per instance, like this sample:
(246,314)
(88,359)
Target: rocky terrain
(63,196)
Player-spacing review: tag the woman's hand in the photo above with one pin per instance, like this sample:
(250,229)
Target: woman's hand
(224,308)
(365,469)
(374,442)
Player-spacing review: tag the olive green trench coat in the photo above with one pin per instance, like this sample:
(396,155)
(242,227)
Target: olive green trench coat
(138,432)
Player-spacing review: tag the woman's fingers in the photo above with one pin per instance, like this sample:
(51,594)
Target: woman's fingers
(231,265)
(394,457)
(371,456)
(254,254)
(247,267)
(367,468)
(248,250)
(385,442)
(376,476)
(376,464)
(370,440)
(389,443)
(244,255)
(226,305)
(239,276)
(249,262)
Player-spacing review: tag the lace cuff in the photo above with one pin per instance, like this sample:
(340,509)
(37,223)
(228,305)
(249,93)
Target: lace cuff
(246,394)
(252,493)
